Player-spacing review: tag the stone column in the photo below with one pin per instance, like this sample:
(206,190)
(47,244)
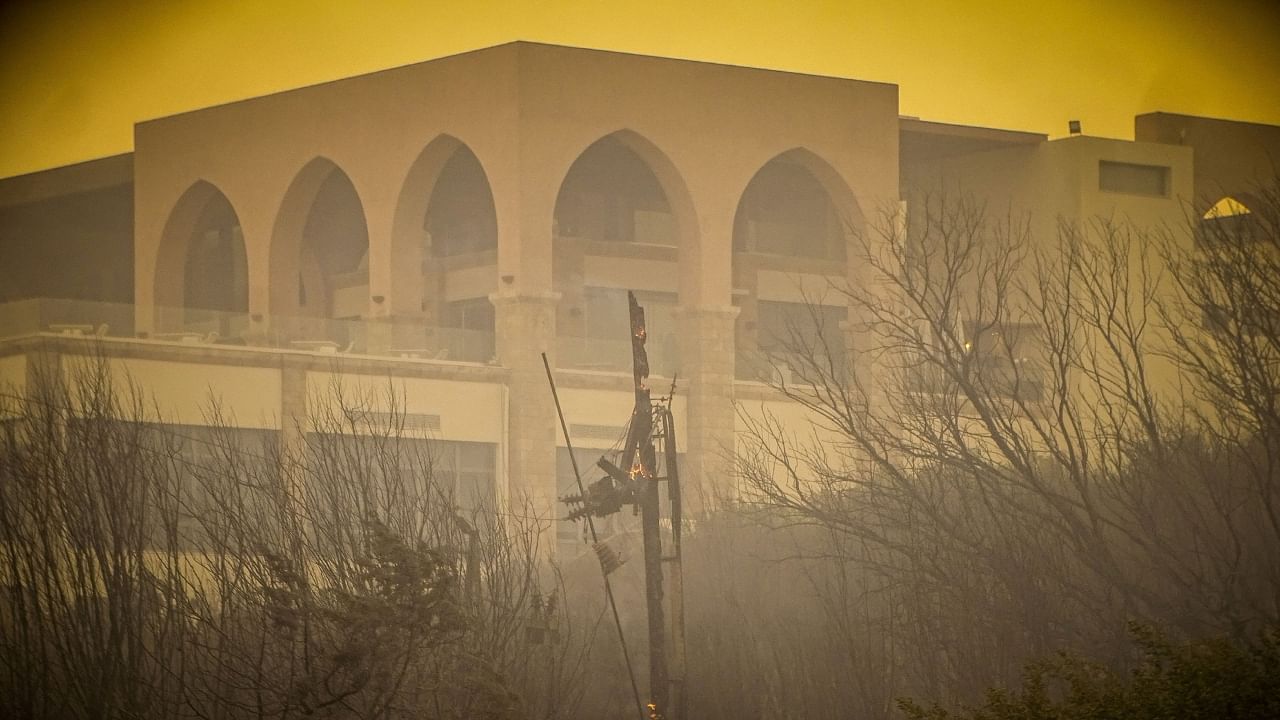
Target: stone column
(708,364)
(525,328)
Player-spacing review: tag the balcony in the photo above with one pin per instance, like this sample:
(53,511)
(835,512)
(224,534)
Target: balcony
(187,326)
(779,368)
(589,353)
(995,376)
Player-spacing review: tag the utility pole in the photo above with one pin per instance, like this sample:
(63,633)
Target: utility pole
(635,482)
(641,460)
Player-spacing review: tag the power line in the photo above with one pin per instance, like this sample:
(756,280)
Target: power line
(604,572)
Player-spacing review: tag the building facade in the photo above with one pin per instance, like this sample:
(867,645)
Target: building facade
(441,226)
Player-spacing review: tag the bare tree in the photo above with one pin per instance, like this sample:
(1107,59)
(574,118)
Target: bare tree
(87,627)
(168,571)
(1038,438)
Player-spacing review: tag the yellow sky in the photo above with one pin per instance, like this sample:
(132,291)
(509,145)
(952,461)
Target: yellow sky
(75,76)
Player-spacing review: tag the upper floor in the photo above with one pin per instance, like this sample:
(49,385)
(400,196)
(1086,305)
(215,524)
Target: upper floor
(393,214)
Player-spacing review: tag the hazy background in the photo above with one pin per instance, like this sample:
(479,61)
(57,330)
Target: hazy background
(75,76)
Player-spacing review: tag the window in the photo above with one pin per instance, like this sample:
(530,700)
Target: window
(607,329)
(469,469)
(607,315)
(653,227)
(789,335)
(786,211)
(611,195)
(216,469)
(470,314)
(460,214)
(1133,179)
(781,324)
(1006,358)
(464,471)
(1226,322)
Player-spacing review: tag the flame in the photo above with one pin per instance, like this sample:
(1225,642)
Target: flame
(637,469)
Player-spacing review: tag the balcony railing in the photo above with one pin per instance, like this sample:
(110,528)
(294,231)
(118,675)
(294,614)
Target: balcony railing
(385,338)
(993,374)
(586,353)
(777,367)
(24,317)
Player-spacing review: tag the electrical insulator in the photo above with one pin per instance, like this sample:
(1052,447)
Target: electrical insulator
(609,559)
(601,499)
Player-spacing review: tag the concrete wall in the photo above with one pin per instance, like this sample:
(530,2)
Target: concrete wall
(472,412)
(527,111)
(1231,158)
(68,232)
(1058,180)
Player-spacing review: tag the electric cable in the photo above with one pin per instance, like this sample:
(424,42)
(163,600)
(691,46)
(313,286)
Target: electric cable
(591,527)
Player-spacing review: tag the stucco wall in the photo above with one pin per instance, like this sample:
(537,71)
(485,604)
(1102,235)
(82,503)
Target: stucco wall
(471,412)
(527,111)
(185,393)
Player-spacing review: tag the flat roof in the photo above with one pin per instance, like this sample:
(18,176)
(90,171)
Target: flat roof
(930,141)
(98,174)
(969,132)
(518,46)
(1206,119)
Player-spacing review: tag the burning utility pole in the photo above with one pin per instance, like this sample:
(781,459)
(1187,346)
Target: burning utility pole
(637,485)
(641,461)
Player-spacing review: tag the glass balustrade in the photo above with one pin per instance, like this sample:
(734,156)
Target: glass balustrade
(590,353)
(398,338)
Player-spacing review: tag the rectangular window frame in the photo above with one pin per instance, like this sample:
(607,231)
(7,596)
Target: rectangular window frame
(1113,174)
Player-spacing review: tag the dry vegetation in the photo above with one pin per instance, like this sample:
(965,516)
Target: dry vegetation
(1043,441)
(1039,443)
(337,579)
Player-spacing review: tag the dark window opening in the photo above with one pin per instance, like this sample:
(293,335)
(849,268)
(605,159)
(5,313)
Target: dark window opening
(1006,358)
(216,273)
(470,314)
(334,253)
(791,338)
(607,318)
(463,472)
(469,471)
(460,215)
(1133,179)
(786,211)
(611,195)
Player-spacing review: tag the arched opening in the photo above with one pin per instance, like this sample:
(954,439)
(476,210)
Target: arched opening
(444,241)
(1229,229)
(460,232)
(334,260)
(1228,220)
(216,276)
(786,211)
(1226,207)
(790,233)
(460,216)
(611,195)
(614,230)
(202,278)
(320,261)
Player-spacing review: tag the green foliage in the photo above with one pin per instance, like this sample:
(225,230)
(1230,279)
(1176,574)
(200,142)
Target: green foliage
(359,640)
(1216,678)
